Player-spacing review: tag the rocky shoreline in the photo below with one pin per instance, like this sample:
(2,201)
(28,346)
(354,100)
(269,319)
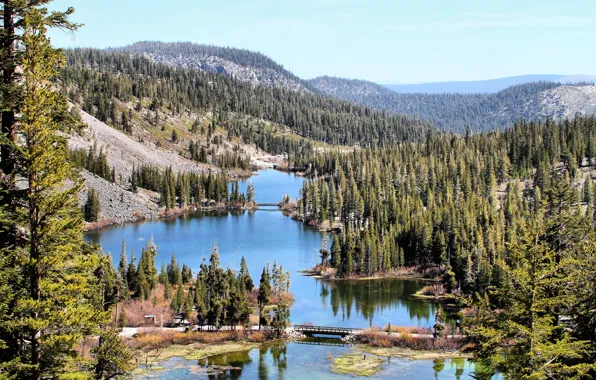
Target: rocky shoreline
(121,206)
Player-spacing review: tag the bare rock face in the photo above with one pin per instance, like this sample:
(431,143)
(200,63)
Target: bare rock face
(123,152)
(559,103)
(240,64)
(256,76)
(118,204)
(568,101)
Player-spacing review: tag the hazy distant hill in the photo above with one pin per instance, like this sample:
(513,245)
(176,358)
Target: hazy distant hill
(242,64)
(533,101)
(486,86)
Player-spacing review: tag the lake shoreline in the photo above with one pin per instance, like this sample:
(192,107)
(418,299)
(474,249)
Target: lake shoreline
(376,276)
(164,215)
(265,237)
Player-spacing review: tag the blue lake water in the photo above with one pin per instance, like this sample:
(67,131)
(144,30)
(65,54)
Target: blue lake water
(266,236)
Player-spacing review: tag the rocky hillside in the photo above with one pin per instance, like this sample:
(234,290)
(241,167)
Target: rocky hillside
(123,152)
(146,145)
(348,88)
(566,102)
(241,64)
(532,101)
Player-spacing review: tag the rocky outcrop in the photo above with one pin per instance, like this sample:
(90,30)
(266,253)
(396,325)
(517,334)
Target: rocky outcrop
(123,152)
(118,204)
(567,101)
(256,76)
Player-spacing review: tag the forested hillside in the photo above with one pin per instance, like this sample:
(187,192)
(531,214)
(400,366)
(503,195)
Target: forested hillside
(95,79)
(528,97)
(454,112)
(503,215)
(241,64)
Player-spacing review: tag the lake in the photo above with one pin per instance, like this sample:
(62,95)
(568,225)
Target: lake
(264,236)
(295,360)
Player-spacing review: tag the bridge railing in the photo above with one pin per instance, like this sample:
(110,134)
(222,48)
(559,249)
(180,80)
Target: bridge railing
(325,329)
(267,204)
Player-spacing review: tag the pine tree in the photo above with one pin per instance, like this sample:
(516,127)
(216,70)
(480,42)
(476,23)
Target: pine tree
(244,276)
(131,273)
(122,267)
(281,317)
(250,192)
(174,272)
(58,302)
(162,278)
(178,300)
(92,207)
(264,294)
(186,274)
(112,359)
(199,300)
(142,290)
(335,257)
(532,298)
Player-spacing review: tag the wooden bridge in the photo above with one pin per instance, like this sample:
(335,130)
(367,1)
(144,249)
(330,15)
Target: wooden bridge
(324,330)
(324,342)
(267,204)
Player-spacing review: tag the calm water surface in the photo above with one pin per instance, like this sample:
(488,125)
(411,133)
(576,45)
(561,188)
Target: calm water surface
(265,236)
(299,361)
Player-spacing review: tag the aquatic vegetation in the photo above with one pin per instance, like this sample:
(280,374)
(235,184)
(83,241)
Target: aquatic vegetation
(408,353)
(220,349)
(360,364)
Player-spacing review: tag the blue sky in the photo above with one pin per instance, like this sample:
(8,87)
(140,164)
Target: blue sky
(387,41)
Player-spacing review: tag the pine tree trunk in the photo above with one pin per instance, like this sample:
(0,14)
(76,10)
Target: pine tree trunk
(35,292)
(7,162)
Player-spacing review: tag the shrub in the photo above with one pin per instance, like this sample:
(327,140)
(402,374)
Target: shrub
(382,342)
(409,338)
(428,290)
(257,337)
(433,290)
(253,320)
(154,340)
(434,272)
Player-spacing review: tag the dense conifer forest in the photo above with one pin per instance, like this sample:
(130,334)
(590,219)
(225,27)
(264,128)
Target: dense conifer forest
(94,78)
(501,215)
(213,297)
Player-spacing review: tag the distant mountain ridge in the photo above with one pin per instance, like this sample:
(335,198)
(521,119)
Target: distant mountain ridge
(485,86)
(482,105)
(241,64)
(482,111)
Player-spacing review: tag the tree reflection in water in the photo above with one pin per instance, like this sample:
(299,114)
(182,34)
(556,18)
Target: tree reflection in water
(366,298)
(227,366)
(277,350)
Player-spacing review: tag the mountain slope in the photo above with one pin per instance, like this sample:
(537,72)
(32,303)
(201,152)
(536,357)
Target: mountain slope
(100,80)
(485,86)
(533,101)
(241,64)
